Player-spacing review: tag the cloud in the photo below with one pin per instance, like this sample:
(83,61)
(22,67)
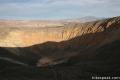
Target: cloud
(52,9)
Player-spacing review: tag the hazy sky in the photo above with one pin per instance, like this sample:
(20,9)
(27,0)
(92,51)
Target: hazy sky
(58,9)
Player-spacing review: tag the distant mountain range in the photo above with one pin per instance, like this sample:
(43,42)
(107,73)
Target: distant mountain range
(83,19)
(45,23)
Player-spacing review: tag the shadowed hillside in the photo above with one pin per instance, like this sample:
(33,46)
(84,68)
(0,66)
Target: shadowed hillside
(91,49)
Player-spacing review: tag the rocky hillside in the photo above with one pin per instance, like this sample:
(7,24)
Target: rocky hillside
(78,52)
(17,34)
(21,33)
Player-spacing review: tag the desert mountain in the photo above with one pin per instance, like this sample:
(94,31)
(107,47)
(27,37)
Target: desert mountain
(21,33)
(70,52)
(83,19)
